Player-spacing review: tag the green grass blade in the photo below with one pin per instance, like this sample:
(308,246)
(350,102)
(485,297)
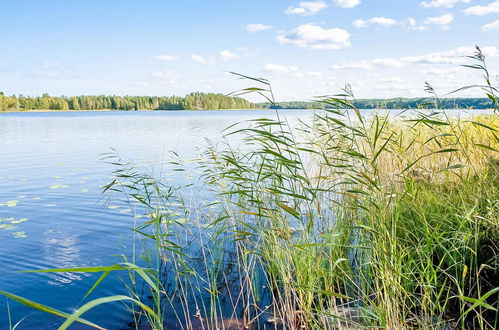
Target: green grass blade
(46,309)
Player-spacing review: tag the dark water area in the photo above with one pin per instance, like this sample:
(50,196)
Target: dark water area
(52,210)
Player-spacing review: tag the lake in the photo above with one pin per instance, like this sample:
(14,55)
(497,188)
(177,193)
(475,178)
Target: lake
(52,210)
(51,174)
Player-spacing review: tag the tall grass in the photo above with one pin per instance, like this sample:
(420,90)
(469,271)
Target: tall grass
(352,220)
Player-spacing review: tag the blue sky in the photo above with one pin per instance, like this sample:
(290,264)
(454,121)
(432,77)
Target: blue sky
(383,48)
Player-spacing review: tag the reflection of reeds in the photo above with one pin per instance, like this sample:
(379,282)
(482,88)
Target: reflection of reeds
(354,221)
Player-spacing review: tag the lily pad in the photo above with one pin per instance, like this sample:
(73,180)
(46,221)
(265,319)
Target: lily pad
(7,226)
(19,220)
(58,186)
(19,234)
(182,220)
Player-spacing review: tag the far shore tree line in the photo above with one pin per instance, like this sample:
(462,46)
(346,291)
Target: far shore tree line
(394,103)
(212,101)
(192,101)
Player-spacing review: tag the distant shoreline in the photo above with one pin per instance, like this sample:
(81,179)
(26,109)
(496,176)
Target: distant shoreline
(221,110)
(118,110)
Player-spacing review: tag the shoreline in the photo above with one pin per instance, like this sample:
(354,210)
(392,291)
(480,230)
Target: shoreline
(178,110)
(116,110)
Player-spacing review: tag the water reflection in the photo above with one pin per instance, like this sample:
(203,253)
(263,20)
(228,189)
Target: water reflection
(61,250)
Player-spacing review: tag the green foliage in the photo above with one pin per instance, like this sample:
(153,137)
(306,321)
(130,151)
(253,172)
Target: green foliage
(393,103)
(192,101)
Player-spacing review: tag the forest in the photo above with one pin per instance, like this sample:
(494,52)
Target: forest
(212,101)
(192,101)
(394,103)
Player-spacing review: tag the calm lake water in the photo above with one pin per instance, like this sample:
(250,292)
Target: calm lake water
(53,213)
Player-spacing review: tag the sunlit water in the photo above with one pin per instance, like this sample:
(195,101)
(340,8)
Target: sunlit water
(52,210)
(53,213)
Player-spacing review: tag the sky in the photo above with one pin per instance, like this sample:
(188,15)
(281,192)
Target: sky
(382,48)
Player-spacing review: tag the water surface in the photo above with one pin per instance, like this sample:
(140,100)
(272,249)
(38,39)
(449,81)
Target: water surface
(51,204)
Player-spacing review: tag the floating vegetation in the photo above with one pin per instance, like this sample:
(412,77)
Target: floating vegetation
(84,190)
(10,203)
(58,186)
(183,220)
(20,220)
(19,234)
(7,226)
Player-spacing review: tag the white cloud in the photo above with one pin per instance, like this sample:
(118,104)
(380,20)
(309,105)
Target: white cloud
(388,62)
(314,74)
(408,23)
(228,55)
(346,3)
(391,79)
(383,21)
(167,58)
(359,65)
(360,23)
(442,3)
(306,8)
(442,21)
(279,68)
(164,74)
(454,56)
(491,8)
(201,59)
(257,27)
(315,37)
(491,26)
(411,24)
(445,72)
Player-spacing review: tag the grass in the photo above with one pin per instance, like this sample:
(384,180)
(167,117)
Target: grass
(350,221)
